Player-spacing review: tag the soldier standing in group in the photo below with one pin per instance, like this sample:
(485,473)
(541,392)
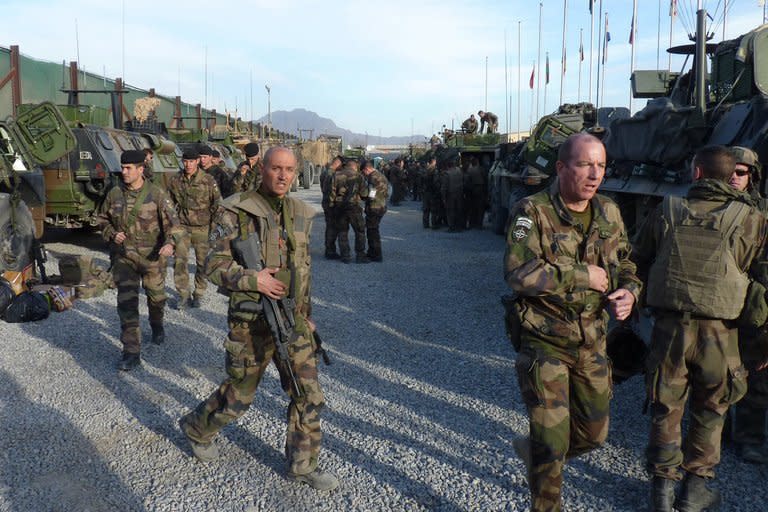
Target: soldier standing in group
(283,225)
(347,190)
(428,193)
(149,173)
(749,415)
(567,259)
(140,223)
(196,196)
(248,178)
(326,181)
(217,173)
(375,208)
(452,192)
(696,252)
(397,179)
(489,118)
(469,125)
(475,191)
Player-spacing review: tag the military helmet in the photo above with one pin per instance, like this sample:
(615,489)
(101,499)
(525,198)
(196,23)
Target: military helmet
(748,157)
(627,352)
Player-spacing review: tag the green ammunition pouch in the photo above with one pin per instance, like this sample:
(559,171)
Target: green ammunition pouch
(755,311)
(512,323)
(88,277)
(695,270)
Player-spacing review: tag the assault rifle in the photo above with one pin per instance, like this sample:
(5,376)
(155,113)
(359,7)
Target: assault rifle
(277,312)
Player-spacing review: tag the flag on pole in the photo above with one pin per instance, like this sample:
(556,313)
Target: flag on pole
(581,49)
(632,31)
(533,74)
(591,5)
(546,81)
(672,8)
(564,63)
(607,39)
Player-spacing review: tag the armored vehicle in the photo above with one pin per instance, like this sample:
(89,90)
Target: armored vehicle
(37,136)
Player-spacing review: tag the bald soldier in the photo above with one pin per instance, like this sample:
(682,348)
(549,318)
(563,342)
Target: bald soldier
(283,225)
(567,260)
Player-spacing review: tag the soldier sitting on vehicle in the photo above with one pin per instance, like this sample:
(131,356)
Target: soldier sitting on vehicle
(470,125)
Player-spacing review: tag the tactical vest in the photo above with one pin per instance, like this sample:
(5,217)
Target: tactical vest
(695,270)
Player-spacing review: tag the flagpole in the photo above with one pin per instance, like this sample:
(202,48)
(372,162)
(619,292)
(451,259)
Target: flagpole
(599,52)
(546,84)
(530,116)
(562,74)
(605,58)
(658,37)
(672,14)
(632,34)
(591,46)
(725,16)
(538,58)
(519,78)
(506,84)
(581,60)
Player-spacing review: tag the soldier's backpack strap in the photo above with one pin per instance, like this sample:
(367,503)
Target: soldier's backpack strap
(734,217)
(137,205)
(673,208)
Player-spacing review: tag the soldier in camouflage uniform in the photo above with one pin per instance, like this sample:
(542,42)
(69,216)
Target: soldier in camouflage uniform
(326,180)
(375,208)
(567,259)
(428,194)
(452,192)
(397,178)
(475,192)
(469,125)
(196,196)
(749,415)
(697,252)
(283,225)
(141,237)
(347,190)
(249,178)
(216,172)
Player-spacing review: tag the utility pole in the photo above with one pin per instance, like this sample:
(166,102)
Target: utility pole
(269,111)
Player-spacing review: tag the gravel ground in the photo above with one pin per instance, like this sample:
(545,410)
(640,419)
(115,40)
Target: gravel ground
(422,399)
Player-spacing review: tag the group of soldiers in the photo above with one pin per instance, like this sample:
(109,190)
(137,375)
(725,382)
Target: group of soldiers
(698,264)
(259,254)
(351,188)
(488,121)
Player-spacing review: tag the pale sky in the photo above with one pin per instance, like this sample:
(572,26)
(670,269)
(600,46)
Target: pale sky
(391,67)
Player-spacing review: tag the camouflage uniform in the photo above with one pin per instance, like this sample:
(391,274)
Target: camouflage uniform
(326,179)
(397,178)
(136,260)
(249,346)
(694,353)
(196,199)
(428,194)
(562,367)
(240,182)
(346,191)
(375,208)
(221,177)
(452,191)
(475,190)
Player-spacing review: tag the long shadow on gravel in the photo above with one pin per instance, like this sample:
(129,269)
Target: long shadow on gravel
(47,464)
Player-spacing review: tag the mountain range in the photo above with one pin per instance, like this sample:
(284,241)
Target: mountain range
(305,120)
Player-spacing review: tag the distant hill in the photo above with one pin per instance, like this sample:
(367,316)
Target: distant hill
(307,120)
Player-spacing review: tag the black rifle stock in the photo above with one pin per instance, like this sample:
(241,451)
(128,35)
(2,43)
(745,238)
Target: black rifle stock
(247,252)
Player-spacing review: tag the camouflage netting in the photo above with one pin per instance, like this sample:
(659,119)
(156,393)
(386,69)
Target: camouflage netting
(144,107)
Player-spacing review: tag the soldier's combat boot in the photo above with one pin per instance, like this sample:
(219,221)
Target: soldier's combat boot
(203,452)
(194,302)
(332,256)
(182,303)
(158,334)
(129,362)
(662,494)
(696,496)
(320,480)
(362,258)
(752,453)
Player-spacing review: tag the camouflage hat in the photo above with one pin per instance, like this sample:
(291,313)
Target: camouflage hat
(251,149)
(205,150)
(190,154)
(132,156)
(746,156)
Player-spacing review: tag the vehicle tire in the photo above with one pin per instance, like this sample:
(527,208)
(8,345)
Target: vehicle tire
(307,177)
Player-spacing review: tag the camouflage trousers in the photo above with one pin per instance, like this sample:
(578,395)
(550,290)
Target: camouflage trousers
(345,217)
(249,349)
(567,394)
(692,356)
(372,233)
(454,211)
(128,275)
(197,238)
(749,415)
(330,232)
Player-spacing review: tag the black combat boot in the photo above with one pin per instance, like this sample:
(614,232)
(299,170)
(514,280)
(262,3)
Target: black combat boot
(696,496)
(662,494)
(129,362)
(158,334)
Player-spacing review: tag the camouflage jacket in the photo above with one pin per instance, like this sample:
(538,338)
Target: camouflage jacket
(348,188)
(379,187)
(284,244)
(220,175)
(251,180)
(704,196)
(546,264)
(196,198)
(326,178)
(156,222)
(452,182)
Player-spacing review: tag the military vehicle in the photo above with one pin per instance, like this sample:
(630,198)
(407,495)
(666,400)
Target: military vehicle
(650,153)
(37,136)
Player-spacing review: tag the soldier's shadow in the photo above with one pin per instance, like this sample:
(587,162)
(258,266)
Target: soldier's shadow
(36,473)
(152,392)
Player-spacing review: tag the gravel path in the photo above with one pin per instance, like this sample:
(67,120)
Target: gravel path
(422,399)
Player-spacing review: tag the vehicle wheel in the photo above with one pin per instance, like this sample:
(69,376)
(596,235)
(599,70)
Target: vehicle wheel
(306,180)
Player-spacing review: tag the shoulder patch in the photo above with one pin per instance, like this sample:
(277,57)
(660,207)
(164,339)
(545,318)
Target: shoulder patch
(521,228)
